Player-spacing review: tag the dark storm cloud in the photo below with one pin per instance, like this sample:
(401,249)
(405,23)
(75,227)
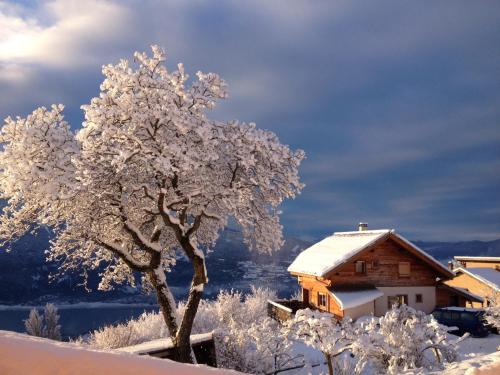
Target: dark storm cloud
(397,104)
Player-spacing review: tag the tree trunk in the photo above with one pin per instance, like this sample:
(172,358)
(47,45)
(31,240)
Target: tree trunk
(195,294)
(180,334)
(329,362)
(168,308)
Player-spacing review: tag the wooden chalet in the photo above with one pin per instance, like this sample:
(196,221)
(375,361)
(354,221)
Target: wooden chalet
(367,271)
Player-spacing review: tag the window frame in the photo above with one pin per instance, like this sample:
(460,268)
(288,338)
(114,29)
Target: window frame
(400,264)
(419,298)
(322,296)
(363,267)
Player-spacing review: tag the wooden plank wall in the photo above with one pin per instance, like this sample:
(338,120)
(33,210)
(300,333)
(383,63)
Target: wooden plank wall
(382,268)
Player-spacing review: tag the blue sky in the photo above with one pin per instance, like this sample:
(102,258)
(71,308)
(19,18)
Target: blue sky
(397,104)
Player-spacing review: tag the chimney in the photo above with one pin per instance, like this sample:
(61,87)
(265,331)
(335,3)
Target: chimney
(362,227)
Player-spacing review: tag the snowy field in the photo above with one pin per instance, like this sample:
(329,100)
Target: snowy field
(22,354)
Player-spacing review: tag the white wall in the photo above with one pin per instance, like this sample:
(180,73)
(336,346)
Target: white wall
(362,310)
(428,295)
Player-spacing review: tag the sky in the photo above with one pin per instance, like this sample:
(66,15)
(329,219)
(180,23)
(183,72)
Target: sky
(396,103)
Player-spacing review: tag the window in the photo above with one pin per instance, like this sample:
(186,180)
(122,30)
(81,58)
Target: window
(404,269)
(447,315)
(361,266)
(398,300)
(466,316)
(437,314)
(322,300)
(418,298)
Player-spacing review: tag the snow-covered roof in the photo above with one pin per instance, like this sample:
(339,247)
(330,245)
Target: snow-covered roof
(478,259)
(329,253)
(324,256)
(488,276)
(161,344)
(348,299)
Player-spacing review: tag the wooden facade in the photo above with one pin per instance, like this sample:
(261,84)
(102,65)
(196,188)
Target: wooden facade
(382,268)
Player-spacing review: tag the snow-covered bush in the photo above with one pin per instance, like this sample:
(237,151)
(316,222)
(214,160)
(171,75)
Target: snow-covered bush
(246,340)
(492,314)
(323,332)
(402,339)
(52,329)
(34,324)
(45,325)
(148,326)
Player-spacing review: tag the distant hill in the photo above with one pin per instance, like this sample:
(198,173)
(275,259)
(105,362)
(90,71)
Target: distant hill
(24,273)
(444,251)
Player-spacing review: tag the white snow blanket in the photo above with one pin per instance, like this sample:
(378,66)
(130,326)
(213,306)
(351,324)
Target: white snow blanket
(22,354)
(159,344)
(327,254)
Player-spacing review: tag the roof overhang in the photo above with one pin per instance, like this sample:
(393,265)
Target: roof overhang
(348,299)
(462,292)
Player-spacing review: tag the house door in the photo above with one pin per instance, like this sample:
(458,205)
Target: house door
(305,296)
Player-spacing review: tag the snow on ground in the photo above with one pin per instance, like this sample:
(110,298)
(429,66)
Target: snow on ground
(22,354)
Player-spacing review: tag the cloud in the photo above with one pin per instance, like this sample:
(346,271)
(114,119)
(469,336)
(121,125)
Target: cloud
(396,104)
(61,33)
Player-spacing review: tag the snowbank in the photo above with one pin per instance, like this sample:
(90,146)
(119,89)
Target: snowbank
(22,354)
(482,365)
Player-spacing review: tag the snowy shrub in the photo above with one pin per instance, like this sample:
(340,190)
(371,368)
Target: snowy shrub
(52,329)
(323,332)
(492,315)
(147,327)
(403,339)
(34,324)
(45,325)
(245,339)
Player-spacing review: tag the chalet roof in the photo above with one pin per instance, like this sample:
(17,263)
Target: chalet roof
(335,250)
(488,276)
(348,299)
(477,259)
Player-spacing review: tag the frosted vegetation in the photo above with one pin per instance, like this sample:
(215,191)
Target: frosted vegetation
(149,177)
(248,341)
(44,325)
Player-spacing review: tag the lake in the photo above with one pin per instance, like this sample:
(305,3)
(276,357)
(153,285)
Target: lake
(78,319)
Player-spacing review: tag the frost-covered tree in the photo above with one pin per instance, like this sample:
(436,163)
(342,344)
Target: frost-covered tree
(34,324)
(403,339)
(148,176)
(323,332)
(45,325)
(51,329)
